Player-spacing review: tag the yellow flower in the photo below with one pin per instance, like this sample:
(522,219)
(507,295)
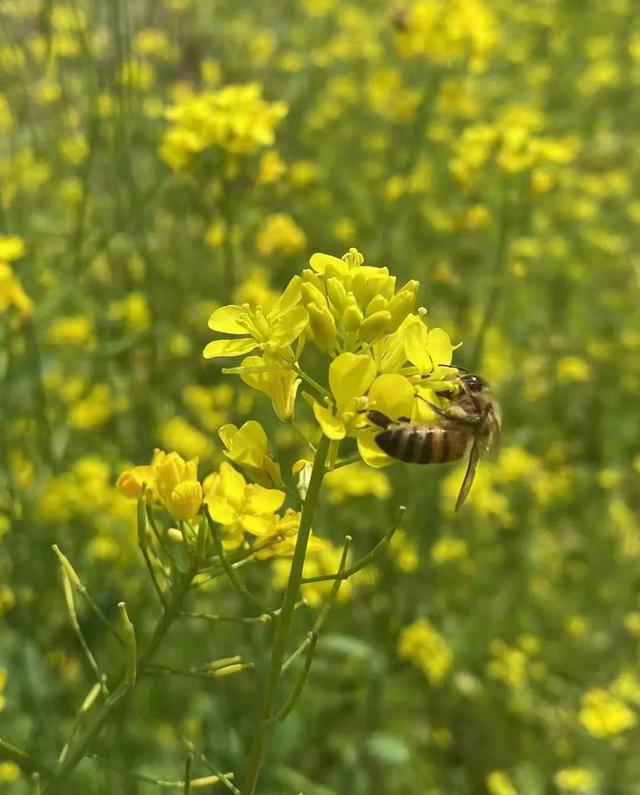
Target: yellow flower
(356,480)
(275,330)
(94,410)
(578,780)
(248,448)
(279,383)
(604,715)
(9,771)
(240,507)
(448,549)
(176,481)
(279,233)
(71,330)
(12,295)
(422,645)
(11,247)
(350,376)
(234,118)
(180,435)
(322,557)
(499,783)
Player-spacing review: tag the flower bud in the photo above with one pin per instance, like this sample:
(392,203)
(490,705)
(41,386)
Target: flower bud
(323,327)
(337,294)
(311,295)
(185,500)
(402,302)
(352,316)
(377,304)
(375,326)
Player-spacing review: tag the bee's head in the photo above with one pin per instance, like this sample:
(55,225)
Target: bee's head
(473,383)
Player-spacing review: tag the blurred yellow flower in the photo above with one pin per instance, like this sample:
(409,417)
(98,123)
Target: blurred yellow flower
(422,645)
(499,783)
(604,715)
(279,234)
(578,780)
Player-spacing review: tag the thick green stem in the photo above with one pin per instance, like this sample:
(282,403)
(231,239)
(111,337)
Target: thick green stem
(267,717)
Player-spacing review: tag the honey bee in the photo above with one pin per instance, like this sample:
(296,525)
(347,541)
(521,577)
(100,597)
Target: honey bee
(470,425)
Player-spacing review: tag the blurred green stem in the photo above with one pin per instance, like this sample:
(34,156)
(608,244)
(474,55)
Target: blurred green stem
(121,688)
(497,276)
(267,715)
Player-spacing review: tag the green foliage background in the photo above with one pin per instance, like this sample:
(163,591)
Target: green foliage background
(529,259)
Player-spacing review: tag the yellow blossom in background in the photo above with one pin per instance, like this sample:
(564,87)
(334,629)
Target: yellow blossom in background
(578,780)
(179,434)
(573,369)
(94,409)
(604,715)
(447,550)
(499,783)
(404,551)
(133,311)
(356,480)
(448,31)
(422,645)
(11,247)
(71,330)
(234,118)
(323,557)
(280,234)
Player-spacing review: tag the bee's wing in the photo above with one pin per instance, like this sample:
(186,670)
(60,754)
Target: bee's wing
(474,455)
(492,442)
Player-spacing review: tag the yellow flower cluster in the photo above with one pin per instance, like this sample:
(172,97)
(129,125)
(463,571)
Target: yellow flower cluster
(380,350)
(12,294)
(423,645)
(605,715)
(447,31)
(169,479)
(518,142)
(499,783)
(235,119)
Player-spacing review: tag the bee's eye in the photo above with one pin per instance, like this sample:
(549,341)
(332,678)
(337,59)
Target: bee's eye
(474,383)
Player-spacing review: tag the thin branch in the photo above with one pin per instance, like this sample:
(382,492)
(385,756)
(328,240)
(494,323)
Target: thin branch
(233,577)
(364,561)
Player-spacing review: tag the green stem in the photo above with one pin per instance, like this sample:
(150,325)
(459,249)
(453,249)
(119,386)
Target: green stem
(121,689)
(266,722)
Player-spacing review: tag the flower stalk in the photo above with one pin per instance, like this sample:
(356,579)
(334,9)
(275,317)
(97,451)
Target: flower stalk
(267,717)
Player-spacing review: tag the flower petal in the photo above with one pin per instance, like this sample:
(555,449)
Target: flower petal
(350,375)
(232,484)
(440,347)
(416,345)
(332,427)
(369,451)
(261,500)
(393,395)
(220,510)
(319,263)
(226,319)
(289,326)
(219,348)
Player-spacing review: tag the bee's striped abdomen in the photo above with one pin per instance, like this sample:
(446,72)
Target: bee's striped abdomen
(424,444)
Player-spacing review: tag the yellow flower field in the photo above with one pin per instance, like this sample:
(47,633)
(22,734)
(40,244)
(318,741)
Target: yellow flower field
(256,259)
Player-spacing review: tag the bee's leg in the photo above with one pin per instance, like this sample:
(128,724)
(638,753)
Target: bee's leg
(452,415)
(440,412)
(377,418)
